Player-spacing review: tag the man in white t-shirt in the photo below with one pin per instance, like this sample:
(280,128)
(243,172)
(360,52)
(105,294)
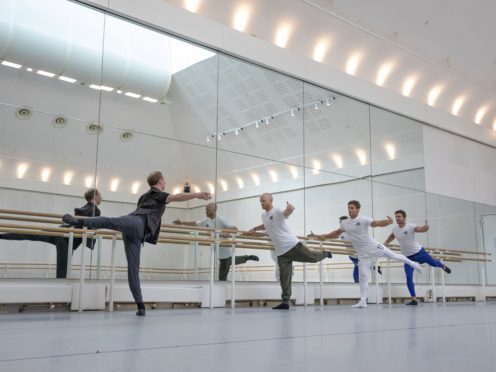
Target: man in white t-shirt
(357,228)
(287,246)
(405,234)
(215,222)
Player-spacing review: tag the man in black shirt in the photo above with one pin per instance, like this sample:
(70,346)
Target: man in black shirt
(93,199)
(142,225)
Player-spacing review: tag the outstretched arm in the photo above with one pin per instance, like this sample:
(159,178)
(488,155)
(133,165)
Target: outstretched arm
(332,235)
(390,238)
(256,228)
(177,221)
(289,209)
(188,196)
(422,229)
(382,223)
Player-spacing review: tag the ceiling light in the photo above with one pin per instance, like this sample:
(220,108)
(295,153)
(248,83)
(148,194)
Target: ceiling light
(224,185)
(22,169)
(29,69)
(114,184)
(433,95)
(133,95)
(45,174)
(45,73)
(328,102)
(282,35)
(294,171)
(320,50)
(266,121)
(362,156)
(192,5)
(316,106)
(241,17)
(273,175)
(292,113)
(352,64)
(408,86)
(208,138)
(383,73)
(256,124)
(457,105)
(148,99)
(11,64)
(89,181)
(256,179)
(176,190)
(240,182)
(236,131)
(316,166)
(119,91)
(480,114)
(101,87)
(196,189)
(338,160)
(135,187)
(67,79)
(391,150)
(211,187)
(68,177)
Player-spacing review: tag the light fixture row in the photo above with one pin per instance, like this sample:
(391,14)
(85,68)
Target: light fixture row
(265,121)
(72,81)
(240,21)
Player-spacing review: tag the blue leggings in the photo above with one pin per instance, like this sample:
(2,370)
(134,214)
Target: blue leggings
(356,275)
(421,257)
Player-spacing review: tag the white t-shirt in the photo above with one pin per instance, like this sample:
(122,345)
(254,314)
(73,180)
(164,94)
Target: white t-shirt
(406,237)
(217,223)
(357,230)
(275,224)
(344,236)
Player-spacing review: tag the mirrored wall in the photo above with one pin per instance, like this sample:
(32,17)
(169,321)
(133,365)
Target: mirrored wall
(97,101)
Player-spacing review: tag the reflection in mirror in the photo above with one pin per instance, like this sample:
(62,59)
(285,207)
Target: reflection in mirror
(453,226)
(397,149)
(260,112)
(337,140)
(48,127)
(324,205)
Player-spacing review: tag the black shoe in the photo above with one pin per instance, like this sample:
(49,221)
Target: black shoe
(328,254)
(281,306)
(141,312)
(72,221)
(253,258)
(447,269)
(379,270)
(412,303)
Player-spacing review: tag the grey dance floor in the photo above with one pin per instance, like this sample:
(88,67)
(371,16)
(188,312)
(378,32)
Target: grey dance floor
(452,337)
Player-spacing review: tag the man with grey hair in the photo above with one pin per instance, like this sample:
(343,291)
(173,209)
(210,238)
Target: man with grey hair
(212,220)
(287,246)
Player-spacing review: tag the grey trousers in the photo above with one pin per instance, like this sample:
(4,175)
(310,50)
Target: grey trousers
(133,233)
(298,253)
(225,265)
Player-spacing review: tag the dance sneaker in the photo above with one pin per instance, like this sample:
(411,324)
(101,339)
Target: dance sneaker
(360,304)
(418,268)
(447,269)
(141,312)
(281,306)
(253,258)
(412,303)
(328,254)
(72,221)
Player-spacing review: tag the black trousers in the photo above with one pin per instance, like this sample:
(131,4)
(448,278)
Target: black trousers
(133,234)
(61,243)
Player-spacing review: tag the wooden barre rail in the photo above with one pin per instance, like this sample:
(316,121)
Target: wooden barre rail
(241,238)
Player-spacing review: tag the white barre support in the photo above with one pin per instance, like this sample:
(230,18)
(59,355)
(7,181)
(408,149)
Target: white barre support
(69,254)
(112,274)
(233,272)
(82,269)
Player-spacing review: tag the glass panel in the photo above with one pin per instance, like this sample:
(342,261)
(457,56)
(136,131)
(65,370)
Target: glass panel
(260,150)
(162,106)
(47,148)
(397,149)
(452,226)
